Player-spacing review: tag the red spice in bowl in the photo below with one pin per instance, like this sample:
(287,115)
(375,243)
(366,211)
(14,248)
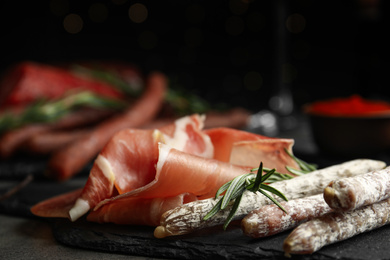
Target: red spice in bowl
(350,127)
(354,106)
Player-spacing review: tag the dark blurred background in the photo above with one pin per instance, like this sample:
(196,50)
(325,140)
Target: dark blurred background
(237,52)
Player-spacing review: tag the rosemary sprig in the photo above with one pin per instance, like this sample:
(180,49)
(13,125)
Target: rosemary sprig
(44,112)
(235,189)
(304,166)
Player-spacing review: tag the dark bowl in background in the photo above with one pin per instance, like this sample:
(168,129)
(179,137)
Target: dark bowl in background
(351,136)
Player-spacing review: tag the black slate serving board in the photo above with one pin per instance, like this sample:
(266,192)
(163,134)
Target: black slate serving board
(212,243)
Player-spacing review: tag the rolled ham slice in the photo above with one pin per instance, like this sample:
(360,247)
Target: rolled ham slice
(128,162)
(177,173)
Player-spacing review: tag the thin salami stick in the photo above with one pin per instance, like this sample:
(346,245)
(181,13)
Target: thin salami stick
(67,162)
(46,143)
(189,217)
(311,236)
(354,192)
(269,220)
(12,141)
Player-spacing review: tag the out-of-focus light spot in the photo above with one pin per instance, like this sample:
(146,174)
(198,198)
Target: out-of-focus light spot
(253,80)
(255,21)
(239,56)
(282,103)
(232,84)
(289,73)
(264,122)
(238,6)
(195,14)
(59,7)
(138,13)
(98,12)
(73,23)
(147,40)
(300,49)
(295,23)
(193,37)
(119,2)
(234,25)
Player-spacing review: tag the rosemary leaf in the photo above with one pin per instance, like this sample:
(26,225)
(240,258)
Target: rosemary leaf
(295,171)
(233,187)
(306,167)
(222,189)
(214,210)
(274,191)
(273,200)
(267,176)
(233,211)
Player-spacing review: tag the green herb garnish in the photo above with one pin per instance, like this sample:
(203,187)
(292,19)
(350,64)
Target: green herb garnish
(46,112)
(304,166)
(235,188)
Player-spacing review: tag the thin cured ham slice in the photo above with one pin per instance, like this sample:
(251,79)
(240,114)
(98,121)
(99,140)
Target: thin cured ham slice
(137,211)
(128,161)
(58,206)
(245,148)
(177,173)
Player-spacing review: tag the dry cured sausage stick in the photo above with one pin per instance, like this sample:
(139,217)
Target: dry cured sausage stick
(269,220)
(354,192)
(11,141)
(189,217)
(336,226)
(67,162)
(48,142)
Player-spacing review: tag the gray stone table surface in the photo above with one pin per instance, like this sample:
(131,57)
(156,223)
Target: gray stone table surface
(26,238)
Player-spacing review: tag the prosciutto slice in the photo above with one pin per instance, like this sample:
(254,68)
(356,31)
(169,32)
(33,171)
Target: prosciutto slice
(128,161)
(245,148)
(177,173)
(137,211)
